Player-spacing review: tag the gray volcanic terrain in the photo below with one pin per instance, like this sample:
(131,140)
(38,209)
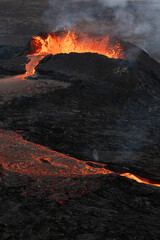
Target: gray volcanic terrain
(104,111)
(108,113)
(79,139)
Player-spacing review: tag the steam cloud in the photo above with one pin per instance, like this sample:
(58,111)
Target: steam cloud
(132,19)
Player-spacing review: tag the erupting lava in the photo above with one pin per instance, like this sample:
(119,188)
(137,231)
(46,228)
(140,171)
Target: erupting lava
(67,42)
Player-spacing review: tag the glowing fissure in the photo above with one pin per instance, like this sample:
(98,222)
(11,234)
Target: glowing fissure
(34,160)
(68,42)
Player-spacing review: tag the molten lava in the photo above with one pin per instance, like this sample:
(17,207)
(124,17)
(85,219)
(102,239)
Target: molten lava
(30,67)
(140,179)
(52,173)
(67,42)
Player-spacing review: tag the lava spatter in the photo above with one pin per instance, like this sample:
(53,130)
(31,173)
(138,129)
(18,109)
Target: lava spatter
(68,42)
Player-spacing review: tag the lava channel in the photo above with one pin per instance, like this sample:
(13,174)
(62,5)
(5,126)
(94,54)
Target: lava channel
(61,175)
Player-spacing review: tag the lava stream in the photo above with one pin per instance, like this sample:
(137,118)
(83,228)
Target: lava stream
(30,66)
(139,179)
(23,157)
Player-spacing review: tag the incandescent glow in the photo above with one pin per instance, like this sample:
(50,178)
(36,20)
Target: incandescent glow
(139,179)
(67,42)
(62,177)
(30,66)
(24,157)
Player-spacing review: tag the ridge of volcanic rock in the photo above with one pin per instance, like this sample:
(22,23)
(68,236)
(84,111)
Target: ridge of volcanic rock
(128,74)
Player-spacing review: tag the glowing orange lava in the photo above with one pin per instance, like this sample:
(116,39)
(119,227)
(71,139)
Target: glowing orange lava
(139,179)
(60,176)
(67,42)
(30,66)
(24,157)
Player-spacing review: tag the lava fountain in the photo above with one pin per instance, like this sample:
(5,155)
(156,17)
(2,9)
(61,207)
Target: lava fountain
(67,42)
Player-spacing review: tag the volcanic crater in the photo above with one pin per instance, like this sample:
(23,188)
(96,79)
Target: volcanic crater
(104,112)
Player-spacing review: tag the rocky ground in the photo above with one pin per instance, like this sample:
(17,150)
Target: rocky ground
(46,195)
(97,110)
(119,209)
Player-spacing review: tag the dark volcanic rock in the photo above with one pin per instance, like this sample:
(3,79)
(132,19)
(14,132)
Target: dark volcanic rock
(52,198)
(89,66)
(12,60)
(120,209)
(8,51)
(14,66)
(109,113)
(74,66)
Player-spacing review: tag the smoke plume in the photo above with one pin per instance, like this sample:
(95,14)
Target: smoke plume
(134,20)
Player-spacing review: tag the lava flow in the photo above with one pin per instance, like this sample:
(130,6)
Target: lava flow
(140,179)
(30,66)
(52,171)
(67,42)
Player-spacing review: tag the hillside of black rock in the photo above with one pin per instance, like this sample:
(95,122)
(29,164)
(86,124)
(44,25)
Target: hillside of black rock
(119,209)
(99,109)
(109,112)
(12,60)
